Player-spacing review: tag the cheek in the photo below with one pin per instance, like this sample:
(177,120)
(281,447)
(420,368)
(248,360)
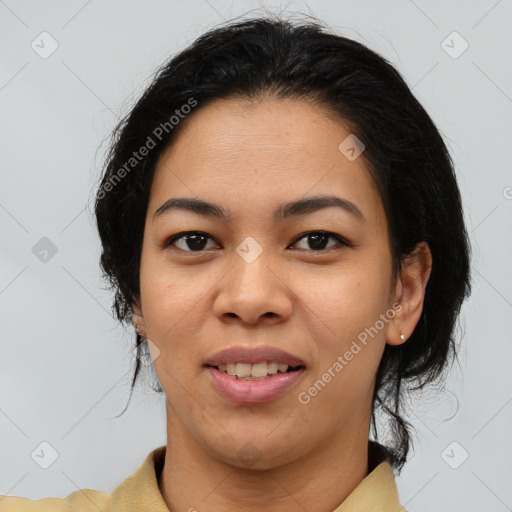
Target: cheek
(349,305)
(349,351)
(347,298)
(171,302)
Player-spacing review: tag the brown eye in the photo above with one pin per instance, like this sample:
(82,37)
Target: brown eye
(196,241)
(190,241)
(317,240)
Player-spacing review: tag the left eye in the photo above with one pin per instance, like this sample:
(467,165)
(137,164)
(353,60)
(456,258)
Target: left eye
(318,239)
(195,240)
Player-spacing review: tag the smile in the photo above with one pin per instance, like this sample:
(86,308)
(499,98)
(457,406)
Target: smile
(251,390)
(257,371)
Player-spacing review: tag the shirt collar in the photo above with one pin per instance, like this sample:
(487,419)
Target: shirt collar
(376,492)
(140,491)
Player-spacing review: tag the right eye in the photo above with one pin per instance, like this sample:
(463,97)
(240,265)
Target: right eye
(194,240)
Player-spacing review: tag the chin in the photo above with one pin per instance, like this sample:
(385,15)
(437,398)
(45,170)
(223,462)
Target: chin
(260,452)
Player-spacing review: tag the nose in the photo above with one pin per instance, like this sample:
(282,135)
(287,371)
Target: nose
(254,292)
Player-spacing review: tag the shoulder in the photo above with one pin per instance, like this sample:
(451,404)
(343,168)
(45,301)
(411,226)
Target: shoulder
(139,491)
(84,500)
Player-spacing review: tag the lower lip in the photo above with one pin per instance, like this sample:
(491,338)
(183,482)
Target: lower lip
(240,391)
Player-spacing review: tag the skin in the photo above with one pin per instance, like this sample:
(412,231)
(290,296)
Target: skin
(250,157)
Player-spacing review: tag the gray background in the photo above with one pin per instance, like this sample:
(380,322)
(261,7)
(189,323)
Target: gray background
(65,364)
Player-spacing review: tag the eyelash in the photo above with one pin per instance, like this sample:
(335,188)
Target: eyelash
(339,239)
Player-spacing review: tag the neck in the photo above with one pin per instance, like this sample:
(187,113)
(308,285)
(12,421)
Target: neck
(194,480)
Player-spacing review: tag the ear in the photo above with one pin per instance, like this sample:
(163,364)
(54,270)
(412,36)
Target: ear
(410,293)
(138,317)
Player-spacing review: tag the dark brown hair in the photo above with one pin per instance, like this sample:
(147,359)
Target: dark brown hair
(405,154)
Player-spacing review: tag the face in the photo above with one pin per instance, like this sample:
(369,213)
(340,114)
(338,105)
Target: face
(268,283)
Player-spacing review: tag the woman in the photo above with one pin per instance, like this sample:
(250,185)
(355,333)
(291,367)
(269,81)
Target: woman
(281,222)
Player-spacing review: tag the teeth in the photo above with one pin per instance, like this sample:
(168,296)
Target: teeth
(243,370)
(258,370)
(272,368)
(255,371)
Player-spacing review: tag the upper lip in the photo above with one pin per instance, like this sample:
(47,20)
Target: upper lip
(253,355)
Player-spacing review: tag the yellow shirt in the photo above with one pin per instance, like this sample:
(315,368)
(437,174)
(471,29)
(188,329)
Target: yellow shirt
(377,492)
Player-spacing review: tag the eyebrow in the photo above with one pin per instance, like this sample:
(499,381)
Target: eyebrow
(284,211)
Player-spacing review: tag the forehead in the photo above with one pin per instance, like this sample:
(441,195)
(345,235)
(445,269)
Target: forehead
(274,125)
(257,152)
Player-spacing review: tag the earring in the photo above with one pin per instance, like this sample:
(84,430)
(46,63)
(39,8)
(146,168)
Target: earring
(402,336)
(140,332)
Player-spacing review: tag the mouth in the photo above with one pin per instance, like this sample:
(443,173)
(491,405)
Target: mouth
(253,375)
(256,371)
